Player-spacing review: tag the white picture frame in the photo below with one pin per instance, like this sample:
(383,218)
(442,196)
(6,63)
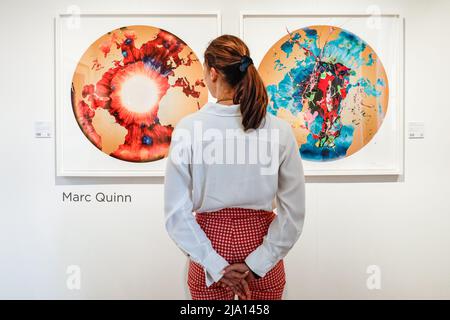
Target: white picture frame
(252,24)
(93,162)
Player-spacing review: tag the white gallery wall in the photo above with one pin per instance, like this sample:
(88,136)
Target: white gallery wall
(401,225)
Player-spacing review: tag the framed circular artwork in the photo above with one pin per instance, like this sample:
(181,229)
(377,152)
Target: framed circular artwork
(331,86)
(131,86)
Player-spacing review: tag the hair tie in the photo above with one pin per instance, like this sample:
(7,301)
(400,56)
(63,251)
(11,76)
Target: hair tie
(245,62)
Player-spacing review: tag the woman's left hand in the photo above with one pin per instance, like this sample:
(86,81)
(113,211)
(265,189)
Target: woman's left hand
(238,270)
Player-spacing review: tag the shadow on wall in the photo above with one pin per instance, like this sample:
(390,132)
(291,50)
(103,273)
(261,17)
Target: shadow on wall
(355,179)
(61,181)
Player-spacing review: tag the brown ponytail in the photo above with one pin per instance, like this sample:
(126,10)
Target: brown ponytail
(229,55)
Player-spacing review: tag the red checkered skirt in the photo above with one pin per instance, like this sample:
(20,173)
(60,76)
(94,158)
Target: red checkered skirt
(234,234)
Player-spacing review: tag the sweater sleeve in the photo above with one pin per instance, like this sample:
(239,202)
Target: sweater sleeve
(287,226)
(180,222)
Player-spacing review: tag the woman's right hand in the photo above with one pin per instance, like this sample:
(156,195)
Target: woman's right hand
(239,286)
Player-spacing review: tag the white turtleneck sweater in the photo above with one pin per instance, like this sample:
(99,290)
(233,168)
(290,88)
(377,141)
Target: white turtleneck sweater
(212,166)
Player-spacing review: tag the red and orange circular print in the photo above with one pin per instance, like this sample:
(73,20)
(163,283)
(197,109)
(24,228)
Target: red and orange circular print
(131,87)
